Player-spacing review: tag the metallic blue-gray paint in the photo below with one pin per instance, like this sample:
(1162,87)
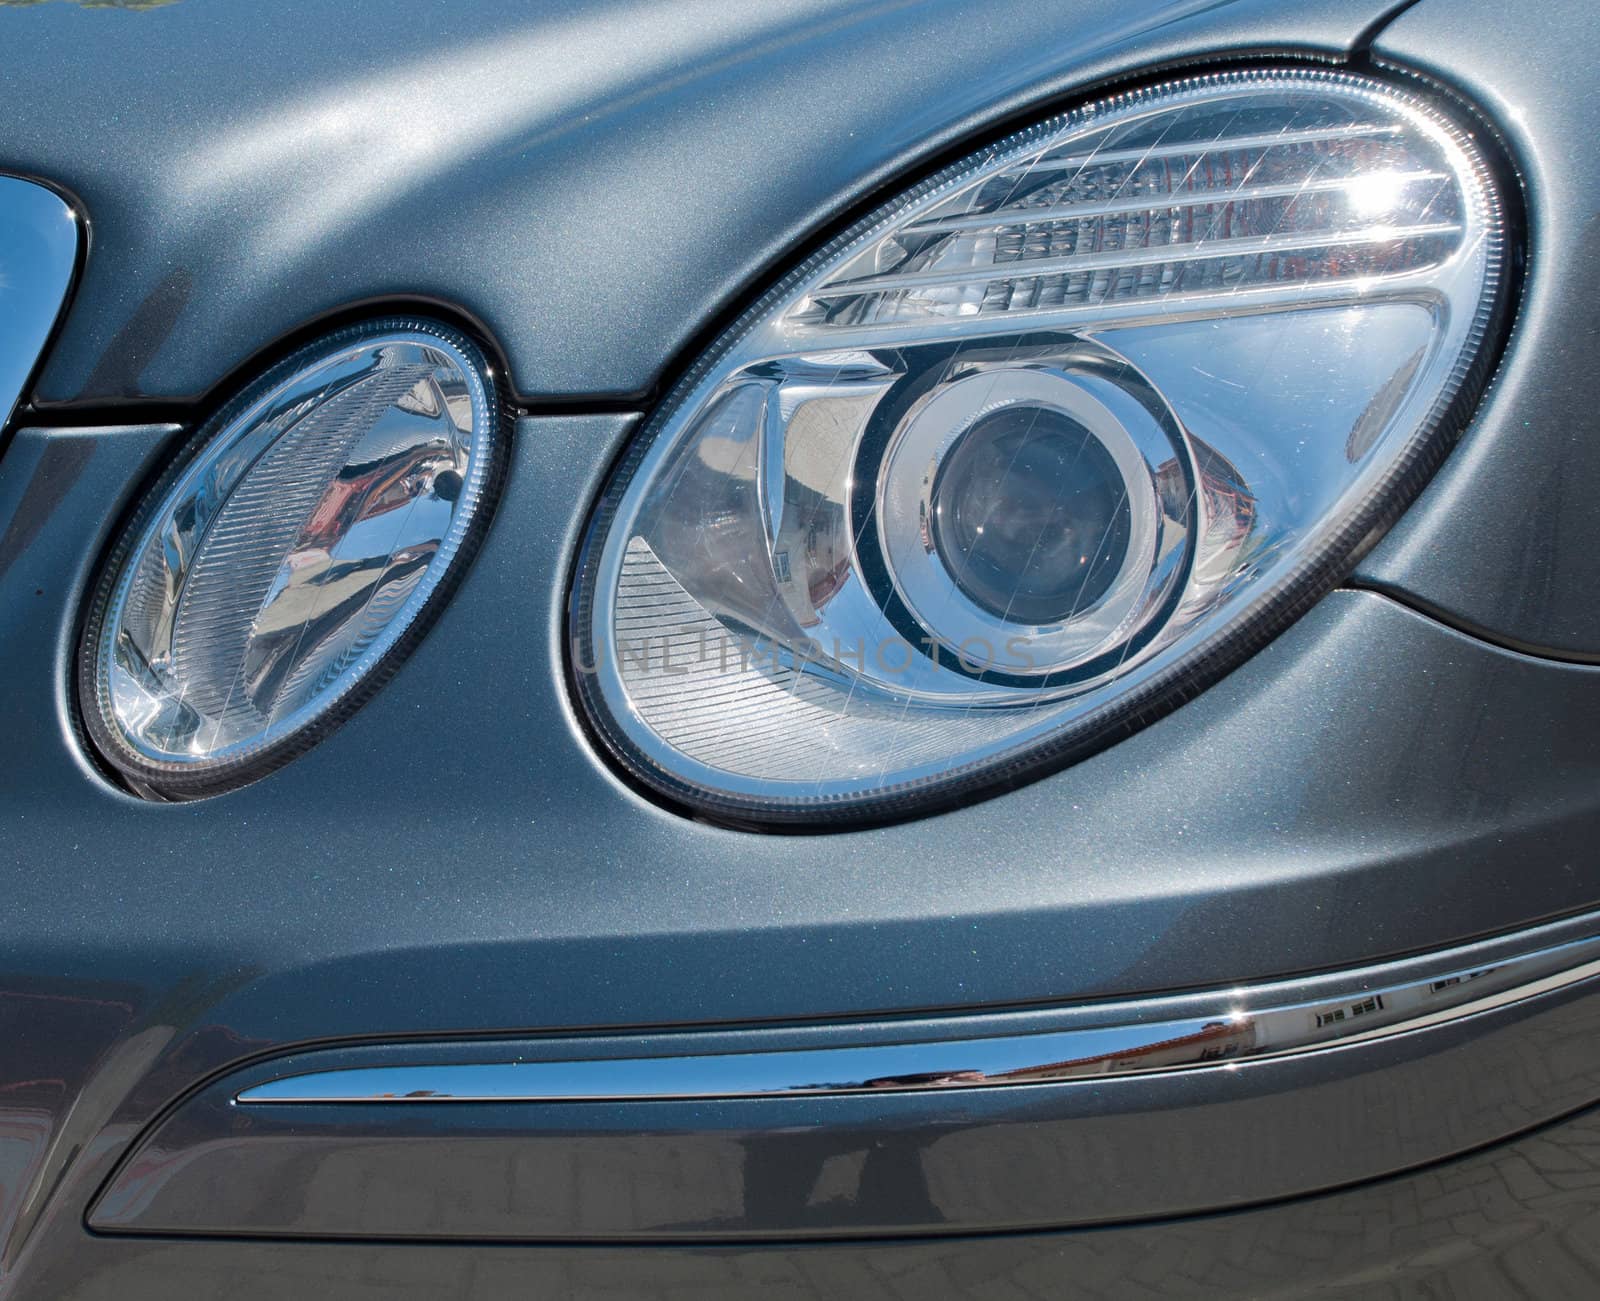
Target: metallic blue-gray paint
(590,182)
(1498,544)
(596,189)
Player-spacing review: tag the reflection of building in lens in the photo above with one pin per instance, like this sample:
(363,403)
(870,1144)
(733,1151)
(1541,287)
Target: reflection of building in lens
(342,575)
(1226,508)
(812,553)
(1229,504)
(363,492)
(812,559)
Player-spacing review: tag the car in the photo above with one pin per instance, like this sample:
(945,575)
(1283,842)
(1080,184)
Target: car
(811,648)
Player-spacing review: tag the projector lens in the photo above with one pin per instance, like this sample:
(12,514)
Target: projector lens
(1030,515)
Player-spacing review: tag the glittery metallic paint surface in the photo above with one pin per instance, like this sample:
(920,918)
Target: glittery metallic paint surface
(591,182)
(596,187)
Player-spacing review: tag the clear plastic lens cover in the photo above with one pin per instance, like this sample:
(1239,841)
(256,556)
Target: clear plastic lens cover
(1044,443)
(276,571)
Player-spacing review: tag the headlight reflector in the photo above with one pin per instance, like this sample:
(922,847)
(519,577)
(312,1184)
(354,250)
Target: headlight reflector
(267,585)
(1040,446)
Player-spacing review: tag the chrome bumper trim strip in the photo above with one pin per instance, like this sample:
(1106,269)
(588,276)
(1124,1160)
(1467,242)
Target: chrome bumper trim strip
(38,255)
(1221,1030)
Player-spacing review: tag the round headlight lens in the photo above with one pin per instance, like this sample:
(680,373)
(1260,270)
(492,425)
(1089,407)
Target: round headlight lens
(1030,515)
(1040,447)
(274,576)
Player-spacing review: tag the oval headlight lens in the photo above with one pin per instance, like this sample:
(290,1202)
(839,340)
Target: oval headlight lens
(1041,447)
(272,579)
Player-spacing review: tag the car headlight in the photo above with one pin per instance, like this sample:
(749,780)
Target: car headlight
(271,581)
(1039,447)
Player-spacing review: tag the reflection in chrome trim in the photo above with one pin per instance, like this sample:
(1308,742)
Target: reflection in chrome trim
(1238,1026)
(38,253)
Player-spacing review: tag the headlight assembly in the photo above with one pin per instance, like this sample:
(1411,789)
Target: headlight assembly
(1039,447)
(271,581)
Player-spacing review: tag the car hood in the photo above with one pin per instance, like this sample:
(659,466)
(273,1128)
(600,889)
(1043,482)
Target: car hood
(592,184)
